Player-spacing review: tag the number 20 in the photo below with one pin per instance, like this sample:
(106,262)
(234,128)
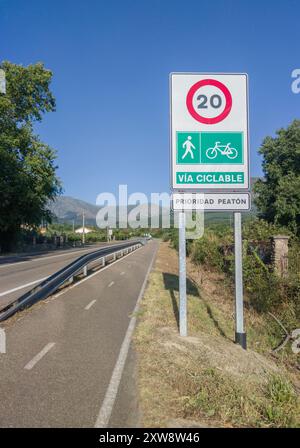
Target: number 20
(215,101)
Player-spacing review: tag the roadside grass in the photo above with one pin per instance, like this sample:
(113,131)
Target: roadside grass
(205,378)
(263,332)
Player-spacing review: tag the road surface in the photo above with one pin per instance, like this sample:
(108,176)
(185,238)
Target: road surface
(65,357)
(19,274)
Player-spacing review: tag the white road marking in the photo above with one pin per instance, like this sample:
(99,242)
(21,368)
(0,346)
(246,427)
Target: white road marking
(122,273)
(9,291)
(90,304)
(112,390)
(111,283)
(39,356)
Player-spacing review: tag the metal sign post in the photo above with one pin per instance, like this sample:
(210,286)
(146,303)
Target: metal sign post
(182,277)
(240,335)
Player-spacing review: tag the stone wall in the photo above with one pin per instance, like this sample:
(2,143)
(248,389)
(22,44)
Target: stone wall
(280,254)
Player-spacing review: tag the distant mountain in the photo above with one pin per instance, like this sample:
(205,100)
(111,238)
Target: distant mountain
(66,209)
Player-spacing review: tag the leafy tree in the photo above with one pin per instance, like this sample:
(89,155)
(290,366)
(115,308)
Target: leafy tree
(278,194)
(27,170)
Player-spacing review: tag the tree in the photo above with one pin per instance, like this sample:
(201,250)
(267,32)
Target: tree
(278,194)
(27,170)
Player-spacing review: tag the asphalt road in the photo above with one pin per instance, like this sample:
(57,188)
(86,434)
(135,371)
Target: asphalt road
(21,273)
(64,356)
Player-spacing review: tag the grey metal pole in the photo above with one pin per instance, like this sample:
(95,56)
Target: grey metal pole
(240,335)
(83,229)
(182,277)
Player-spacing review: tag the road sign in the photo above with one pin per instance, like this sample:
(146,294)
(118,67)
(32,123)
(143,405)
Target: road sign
(209,132)
(211,201)
(2,81)
(210,160)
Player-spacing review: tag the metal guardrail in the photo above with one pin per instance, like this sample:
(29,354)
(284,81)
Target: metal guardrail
(59,278)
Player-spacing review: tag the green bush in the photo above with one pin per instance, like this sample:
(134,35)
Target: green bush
(264,289)
(74,237)
(261,284)
(207,251)
(93,237)
(166,237)
(260,230)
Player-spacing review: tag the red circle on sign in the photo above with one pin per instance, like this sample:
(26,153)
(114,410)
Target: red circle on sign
(209,82)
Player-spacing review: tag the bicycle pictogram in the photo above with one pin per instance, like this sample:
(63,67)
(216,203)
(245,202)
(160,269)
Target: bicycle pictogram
(224,150)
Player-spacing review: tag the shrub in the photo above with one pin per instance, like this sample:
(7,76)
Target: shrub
(207,251)
(261,284)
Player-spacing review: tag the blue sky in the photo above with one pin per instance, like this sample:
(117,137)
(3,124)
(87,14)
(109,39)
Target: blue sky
(111,61)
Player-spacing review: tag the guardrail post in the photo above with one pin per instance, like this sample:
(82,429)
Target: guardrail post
(71,280)
(103,261)
(85,270)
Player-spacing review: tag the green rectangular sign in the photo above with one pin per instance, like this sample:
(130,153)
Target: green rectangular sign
(223,178)
(188,147)
(222,148)
(210,148)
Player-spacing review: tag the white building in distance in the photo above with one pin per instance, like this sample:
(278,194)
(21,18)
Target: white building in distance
(84,230)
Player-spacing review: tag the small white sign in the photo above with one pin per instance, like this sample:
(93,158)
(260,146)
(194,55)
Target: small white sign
(2,81)
(209,132)
(211,201)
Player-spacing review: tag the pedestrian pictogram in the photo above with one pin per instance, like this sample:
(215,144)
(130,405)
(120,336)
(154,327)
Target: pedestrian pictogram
(188,146)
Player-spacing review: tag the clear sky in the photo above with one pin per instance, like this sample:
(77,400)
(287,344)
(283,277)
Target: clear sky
(111,60)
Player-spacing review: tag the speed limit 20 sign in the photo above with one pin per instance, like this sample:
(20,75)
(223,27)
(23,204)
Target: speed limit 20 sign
(209,132)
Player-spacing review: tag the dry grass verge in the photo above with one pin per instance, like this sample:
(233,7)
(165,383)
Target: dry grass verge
(204,379)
